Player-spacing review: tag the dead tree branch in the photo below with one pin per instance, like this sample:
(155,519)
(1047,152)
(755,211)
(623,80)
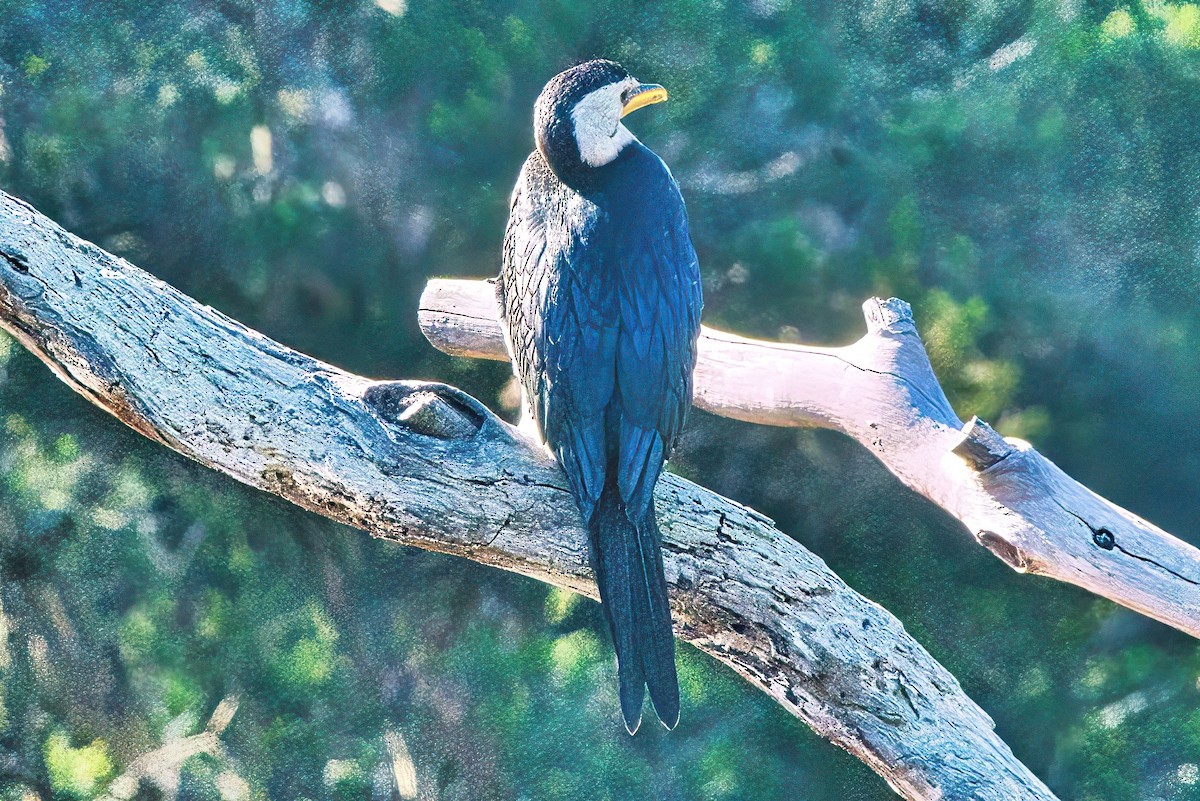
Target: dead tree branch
(163,766)
(428,466)
(881,391)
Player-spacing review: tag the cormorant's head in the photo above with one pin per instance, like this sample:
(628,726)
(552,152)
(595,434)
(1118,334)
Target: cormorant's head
(577,117)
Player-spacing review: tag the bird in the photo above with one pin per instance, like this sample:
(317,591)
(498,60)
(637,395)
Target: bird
(600,298)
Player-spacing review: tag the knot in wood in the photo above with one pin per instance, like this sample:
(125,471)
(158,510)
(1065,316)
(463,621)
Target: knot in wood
(1009,553)
(433,410)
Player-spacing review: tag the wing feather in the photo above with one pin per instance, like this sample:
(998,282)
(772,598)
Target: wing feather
(560,324)
(660,304)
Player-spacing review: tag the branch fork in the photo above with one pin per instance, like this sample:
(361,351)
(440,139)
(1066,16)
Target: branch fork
(882,392)
(428,466)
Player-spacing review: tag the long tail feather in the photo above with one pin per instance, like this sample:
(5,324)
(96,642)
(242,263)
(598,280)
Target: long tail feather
(627,560)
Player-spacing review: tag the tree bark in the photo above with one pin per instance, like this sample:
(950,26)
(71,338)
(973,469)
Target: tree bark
(426,465)
(881,391)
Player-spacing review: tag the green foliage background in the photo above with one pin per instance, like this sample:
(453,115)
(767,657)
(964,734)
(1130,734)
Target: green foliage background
(1027,174)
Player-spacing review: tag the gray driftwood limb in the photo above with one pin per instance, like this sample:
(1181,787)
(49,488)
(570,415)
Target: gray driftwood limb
(428,466)
(881,391)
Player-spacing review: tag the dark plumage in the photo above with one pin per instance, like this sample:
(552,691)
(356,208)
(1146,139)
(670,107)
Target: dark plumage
(600,298)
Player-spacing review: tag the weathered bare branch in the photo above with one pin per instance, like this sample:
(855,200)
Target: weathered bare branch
(882,392)
(425,465)
(162,766)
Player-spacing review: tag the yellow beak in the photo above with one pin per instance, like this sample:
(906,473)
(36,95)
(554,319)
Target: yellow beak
(644,94)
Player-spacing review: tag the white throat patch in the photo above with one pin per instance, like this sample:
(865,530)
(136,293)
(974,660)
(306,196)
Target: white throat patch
(598,129)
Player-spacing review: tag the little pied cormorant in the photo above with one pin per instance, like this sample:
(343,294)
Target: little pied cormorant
(600,299)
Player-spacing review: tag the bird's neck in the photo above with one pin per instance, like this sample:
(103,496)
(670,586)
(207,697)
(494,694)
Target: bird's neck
(579,155)
(598,147)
